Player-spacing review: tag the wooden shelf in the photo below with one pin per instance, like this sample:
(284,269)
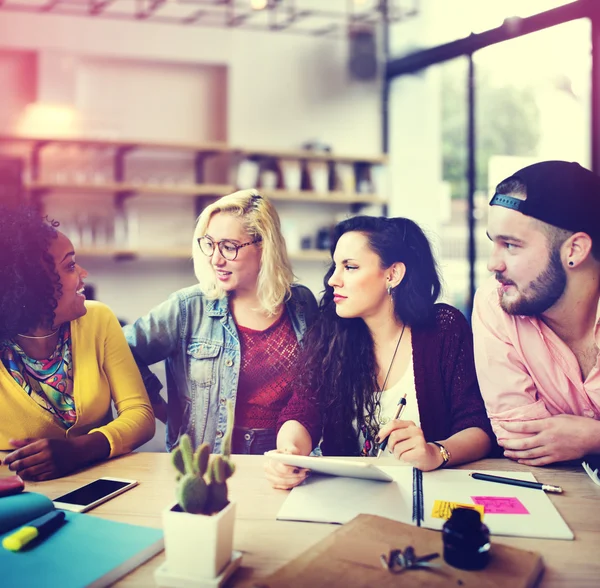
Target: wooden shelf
(204,147)
(192,190)
(323,197)
(127,253)
(149,189)
(306,154)
(310,255)
(177,253)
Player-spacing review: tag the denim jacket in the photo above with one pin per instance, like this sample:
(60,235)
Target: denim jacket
(198,339)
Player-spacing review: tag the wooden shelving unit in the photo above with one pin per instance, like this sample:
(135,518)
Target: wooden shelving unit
(130,188)
(119,188)
(194,190)
(202,151)
(204,147)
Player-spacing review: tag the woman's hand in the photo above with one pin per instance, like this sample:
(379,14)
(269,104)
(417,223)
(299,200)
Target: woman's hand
(406,441)
(281,476)
(45,459)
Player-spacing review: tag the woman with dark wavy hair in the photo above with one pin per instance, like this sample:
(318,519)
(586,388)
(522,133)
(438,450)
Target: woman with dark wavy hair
(63,361)
(381,340)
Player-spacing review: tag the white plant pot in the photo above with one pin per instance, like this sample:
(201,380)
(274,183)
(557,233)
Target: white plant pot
(198,546)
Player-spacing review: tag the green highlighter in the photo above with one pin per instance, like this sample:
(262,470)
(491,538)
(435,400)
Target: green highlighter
(37,529)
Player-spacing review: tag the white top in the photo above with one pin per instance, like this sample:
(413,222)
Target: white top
(389,402)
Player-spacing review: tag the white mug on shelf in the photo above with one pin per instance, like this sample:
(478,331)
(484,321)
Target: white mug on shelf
(346,181)
(291,170)
(268,179)
(319,176)
(247,174)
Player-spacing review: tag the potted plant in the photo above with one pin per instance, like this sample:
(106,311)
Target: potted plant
(199,527)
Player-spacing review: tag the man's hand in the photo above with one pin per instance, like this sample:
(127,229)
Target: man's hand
(557,438)
(281,476)
(44,459)
(406,441)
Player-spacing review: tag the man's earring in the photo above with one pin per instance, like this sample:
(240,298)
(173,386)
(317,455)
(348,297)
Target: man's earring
(571,263)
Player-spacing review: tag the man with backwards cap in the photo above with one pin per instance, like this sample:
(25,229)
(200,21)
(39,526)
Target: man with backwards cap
(536,323)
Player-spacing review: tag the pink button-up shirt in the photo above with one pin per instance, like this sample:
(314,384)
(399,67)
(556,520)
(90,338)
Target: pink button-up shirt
(525,371)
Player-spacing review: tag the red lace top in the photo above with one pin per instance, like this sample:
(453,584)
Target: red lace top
(265,373)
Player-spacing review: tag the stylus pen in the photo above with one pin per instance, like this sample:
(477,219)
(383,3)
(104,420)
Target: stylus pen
(401,405)
(514,482)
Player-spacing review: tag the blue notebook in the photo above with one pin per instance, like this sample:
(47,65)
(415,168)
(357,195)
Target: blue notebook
(84,551)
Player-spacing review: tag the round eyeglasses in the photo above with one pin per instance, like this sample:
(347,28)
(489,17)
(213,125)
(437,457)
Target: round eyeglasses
(228,249)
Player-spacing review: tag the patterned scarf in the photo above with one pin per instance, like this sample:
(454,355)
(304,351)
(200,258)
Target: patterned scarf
(47,381)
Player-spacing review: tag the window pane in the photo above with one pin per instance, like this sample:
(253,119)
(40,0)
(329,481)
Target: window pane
(428,157)
(532,104)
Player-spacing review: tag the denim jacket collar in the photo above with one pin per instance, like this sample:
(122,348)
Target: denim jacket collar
(218,307)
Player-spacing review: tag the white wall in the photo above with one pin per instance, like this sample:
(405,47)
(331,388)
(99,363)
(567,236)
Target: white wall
(149,99)
(181,83)
(17,82)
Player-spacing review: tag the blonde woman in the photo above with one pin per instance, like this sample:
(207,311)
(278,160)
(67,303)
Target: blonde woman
(234,336)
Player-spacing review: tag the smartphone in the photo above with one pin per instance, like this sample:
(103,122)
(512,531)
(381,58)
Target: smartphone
(92,494)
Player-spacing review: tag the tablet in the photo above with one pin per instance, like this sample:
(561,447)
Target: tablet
(333,467)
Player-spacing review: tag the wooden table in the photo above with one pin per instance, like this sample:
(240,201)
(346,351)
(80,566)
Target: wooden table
(267,544)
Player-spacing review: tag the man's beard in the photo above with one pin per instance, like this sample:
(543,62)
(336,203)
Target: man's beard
(545,290)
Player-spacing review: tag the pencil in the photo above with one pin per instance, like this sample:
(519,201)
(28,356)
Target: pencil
(515,482)
(400,408)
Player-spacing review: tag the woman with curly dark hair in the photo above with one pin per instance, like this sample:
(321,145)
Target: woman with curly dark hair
(62,360)
(381,342)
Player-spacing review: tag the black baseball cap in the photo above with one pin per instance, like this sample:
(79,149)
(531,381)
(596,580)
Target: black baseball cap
(559,193)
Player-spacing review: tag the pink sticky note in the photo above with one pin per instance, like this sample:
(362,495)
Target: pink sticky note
(500,504)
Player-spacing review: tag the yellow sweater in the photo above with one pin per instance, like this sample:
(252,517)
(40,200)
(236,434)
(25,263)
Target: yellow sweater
(103,370)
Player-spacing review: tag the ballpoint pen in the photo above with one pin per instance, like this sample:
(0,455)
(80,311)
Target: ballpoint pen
(401,405)
(515,482)
(37,529)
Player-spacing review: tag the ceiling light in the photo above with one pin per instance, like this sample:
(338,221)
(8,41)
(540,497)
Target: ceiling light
(258,4)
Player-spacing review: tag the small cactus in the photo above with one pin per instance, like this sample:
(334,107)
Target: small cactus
(202,487)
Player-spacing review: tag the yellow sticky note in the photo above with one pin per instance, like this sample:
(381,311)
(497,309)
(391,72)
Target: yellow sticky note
(442,509)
